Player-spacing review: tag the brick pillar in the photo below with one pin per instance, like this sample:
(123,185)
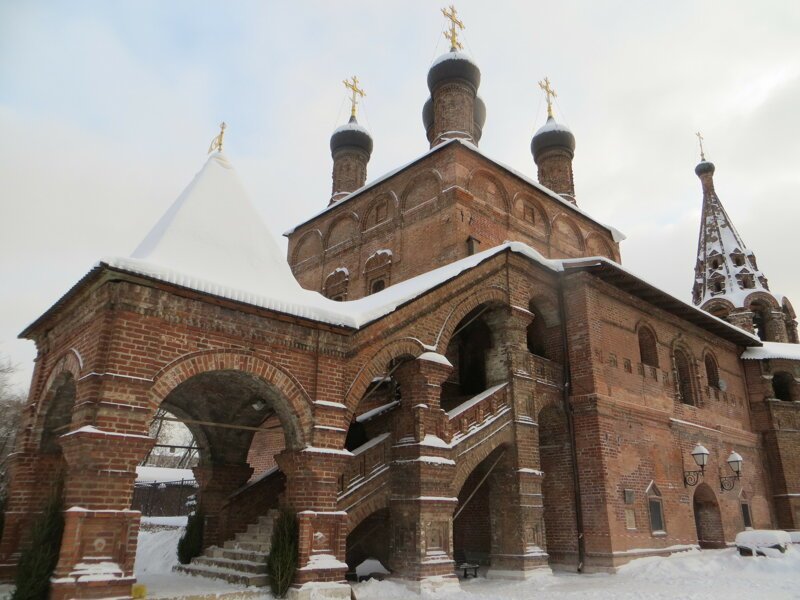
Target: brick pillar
(31,476)
(421,506)
(776,327)
(742,318)
(518,541)
(100,530)
(312,485)
(216,482)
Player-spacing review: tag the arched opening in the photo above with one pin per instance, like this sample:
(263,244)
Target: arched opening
(783,386)
(60,401)
(707,518)
(683,375)
(648,350)
(336,284)
(239,423)
(467,352)
(537,335)
(557,486)
(366,549)
(712,371)
(478,501)
(375,412)
(760,318)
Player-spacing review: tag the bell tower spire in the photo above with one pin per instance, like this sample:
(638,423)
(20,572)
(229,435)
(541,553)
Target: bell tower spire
(728,282)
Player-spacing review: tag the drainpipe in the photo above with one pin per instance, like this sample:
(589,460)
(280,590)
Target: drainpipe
(567,384)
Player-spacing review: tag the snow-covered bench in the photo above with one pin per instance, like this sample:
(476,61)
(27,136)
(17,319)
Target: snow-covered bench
(762,542)
(462,565)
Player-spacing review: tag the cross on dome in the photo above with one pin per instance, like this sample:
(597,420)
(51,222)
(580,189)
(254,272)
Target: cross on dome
(549,93)
(352,85)
(700,139)
(454,27)
(216,143)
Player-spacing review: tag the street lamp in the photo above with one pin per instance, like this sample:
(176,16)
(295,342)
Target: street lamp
(700,456)
(735,461)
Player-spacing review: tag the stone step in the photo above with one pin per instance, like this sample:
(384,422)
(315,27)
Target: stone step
(217,552)
(225,574)
(249,546)
(259,529)
(243,566)
(252,539)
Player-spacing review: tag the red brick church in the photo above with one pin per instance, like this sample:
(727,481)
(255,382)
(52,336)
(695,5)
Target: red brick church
(418,388)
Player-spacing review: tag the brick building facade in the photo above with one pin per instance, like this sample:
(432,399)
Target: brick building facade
(526,404)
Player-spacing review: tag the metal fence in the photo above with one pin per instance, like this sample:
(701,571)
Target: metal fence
(165,498)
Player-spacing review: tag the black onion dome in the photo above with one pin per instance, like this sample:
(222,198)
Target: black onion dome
(453,65)
(479,112)
(552,135)
(351,135)
(704,167)
(427,113)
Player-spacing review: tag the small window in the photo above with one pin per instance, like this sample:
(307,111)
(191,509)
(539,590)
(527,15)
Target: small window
(712,372)
(473,245)
(738,260)
(656,514)
(648,351)
(782,383)
(377,286)
(748,521)
(683,373)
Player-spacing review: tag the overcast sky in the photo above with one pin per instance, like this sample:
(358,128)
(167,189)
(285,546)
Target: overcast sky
(107,110)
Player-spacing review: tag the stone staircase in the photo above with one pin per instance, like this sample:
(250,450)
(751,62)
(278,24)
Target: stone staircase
(242,560)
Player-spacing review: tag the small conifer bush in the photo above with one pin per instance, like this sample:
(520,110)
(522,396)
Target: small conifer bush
(39,560)
(191,542)
(282,560)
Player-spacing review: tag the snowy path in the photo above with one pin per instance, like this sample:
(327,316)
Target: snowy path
(693,575)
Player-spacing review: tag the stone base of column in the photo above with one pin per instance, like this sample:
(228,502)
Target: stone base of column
(433,584)
(518,566)
(119,589)
(318,590)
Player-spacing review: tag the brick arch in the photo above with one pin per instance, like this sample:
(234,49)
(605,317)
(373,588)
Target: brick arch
(765,297)
(376,502)
(376,366)
(546,305)
(711,367)
(342,229)
(392,204)
(718,306)
(67,368)
(490,295)
(476,455)
(787,308)
(543,219)
(71,362)
(308,246)
(563,224)
(423,187)
(596,244)
(500,200)
(180,370)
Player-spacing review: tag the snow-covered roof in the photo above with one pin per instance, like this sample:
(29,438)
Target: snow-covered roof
(773,350)
(617,235)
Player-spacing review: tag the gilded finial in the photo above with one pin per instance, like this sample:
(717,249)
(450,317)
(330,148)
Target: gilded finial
(549,93)
(700,139)
(356,91)
(454,27)
(216,143)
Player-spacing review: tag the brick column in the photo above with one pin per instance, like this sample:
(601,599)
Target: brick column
(312,485)
(216,482)
(421,507)
(776,327)
(31,476)
(100,530)
(742,318)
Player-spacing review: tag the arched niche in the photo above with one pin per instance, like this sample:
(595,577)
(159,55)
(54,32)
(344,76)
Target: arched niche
(381,210)
(423,187)
(342,230)
(533,214)
(567,236)
(596,245)
(308,246)
(487,187)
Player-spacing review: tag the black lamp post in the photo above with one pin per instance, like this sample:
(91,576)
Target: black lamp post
(735,462)
(700,456)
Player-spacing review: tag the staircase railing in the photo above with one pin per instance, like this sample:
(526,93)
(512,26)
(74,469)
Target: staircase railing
(470,415)
(251,501)
(368,461)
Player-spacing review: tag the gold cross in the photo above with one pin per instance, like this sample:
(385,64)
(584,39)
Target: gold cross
(549,93)
(216,143)
(700,139)
(452,33)
(352,85)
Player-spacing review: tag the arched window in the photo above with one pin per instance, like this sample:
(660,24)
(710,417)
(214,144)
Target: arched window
(782,384)
(537,336)
(336,285)
(648,350)
(712,372)
(683,374)
(656,509)
(377,286)
(760,315)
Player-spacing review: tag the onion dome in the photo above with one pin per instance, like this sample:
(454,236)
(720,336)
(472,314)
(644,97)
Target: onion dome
(552,135)
(704,167)
(351,135)
(453,65)
(427,114)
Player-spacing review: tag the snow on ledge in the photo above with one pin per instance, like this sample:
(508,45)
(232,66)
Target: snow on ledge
(772,350)
(452,414)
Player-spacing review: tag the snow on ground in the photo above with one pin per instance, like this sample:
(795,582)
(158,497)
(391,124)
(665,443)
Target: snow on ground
(692,575)
(156,554)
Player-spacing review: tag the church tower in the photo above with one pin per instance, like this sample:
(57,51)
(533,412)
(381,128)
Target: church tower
(553,147)
(728,282)
(351,148)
